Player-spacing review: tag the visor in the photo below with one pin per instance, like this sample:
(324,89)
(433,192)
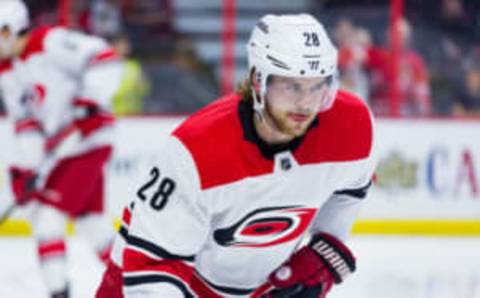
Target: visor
(312,94)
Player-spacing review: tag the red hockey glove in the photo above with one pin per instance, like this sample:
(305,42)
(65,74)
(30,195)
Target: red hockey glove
(312,271)
(23,183)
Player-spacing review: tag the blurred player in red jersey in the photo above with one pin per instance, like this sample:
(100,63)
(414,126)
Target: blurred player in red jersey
(57,85)
(413,80)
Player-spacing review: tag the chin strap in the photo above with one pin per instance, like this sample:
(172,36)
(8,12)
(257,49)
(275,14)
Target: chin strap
(258,104)
(259,108)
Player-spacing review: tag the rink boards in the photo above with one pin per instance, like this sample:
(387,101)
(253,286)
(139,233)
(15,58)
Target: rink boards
(427,180)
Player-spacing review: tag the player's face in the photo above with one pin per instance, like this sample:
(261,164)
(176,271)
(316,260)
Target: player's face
(6,46)
(293,103)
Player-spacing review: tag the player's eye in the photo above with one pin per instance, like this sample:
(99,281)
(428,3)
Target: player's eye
(293,87)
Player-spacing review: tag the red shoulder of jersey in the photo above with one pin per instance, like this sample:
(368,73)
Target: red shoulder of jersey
(5,65)
(343,133)
(214,138)
(35,43)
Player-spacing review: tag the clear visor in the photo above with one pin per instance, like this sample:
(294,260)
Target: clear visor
(308,94)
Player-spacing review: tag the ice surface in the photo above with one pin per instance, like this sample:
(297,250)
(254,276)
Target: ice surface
(388,267)
(20,274)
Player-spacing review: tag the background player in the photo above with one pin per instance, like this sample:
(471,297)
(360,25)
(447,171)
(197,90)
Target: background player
(57,85)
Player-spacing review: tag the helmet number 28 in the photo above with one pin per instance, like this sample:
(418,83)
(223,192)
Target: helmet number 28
(311,39)
(159,198)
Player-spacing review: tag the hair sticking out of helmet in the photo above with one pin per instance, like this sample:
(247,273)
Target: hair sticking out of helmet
(14,18)
(291,46)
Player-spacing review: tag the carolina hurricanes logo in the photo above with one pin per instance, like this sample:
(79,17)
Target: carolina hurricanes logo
(266,227)
(35,95)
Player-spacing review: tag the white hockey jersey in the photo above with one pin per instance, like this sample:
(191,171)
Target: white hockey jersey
(222,209)
(62,81)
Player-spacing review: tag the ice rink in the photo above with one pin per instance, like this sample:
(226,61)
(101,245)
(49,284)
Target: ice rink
(20,274)
(388,267)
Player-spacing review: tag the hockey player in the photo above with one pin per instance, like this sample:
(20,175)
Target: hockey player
(57,85)
(240,183)
(111,286)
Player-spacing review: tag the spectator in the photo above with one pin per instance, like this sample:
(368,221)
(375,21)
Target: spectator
(105,19)
(467,101)
(353,43)
(450,27)
(149,20)
(134,86)
(413,78)
(181,83)
(455,22)
(43,12)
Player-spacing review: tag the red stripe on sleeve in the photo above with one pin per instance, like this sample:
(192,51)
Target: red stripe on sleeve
(136,262)
(126,216)
(104,56)
(95,121)
(51,248)
(91,124)
(27,125)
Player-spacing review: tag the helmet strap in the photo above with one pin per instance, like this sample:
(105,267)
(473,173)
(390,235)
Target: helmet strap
(257,97)
(262,114)
(258,104)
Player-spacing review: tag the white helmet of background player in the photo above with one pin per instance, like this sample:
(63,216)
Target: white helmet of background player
(14,17)
(291,46)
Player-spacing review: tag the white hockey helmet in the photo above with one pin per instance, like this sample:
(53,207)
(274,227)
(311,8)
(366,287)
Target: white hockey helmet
(14,16)
(291,46)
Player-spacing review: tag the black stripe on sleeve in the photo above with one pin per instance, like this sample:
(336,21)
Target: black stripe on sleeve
(359,193)
(124,233)
(154,278)
(156,250)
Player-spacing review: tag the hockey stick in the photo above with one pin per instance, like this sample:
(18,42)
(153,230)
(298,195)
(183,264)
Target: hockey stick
(6,214)
(69,138)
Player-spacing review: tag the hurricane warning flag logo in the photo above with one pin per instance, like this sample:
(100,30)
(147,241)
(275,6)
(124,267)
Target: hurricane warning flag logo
(266,227)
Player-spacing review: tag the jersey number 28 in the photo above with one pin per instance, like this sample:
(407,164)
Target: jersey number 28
(164,189)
